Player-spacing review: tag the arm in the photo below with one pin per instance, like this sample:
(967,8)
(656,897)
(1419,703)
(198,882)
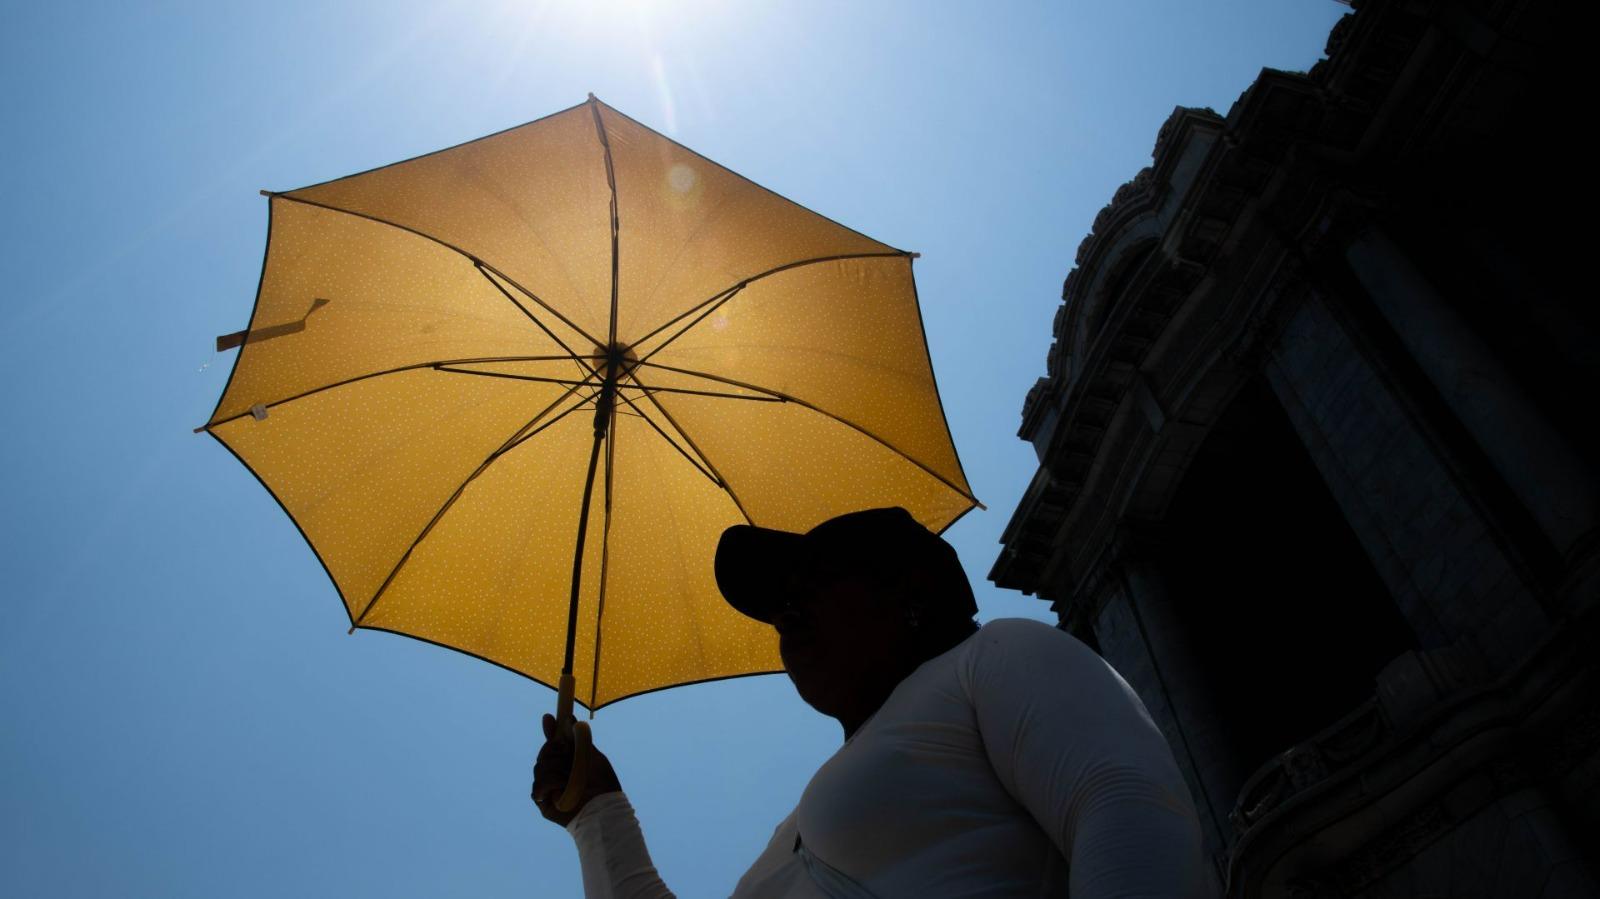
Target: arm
(611,851)
(1072,743)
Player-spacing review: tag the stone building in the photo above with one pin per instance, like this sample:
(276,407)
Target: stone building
(1318,450)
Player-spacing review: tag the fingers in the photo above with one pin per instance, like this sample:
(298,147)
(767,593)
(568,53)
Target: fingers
(553,765)
(547,788)
(544,795)
(554,761)
(552,769)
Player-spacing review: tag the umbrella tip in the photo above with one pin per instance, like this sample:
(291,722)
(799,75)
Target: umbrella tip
(914,254)
(352,630)
(593,98)
(268,193)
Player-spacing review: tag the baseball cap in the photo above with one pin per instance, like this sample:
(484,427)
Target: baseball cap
(753,563)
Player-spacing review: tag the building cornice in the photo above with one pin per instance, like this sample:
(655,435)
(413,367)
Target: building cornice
(1226,202)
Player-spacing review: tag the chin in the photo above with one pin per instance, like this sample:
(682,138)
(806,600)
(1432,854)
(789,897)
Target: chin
(813,693)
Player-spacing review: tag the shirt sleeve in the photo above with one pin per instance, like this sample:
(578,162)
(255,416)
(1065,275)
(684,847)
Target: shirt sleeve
(1070,740)
(611,851)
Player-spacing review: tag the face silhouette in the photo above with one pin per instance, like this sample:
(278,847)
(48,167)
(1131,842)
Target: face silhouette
(840,634)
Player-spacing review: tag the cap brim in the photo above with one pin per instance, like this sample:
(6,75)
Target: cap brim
(751,565)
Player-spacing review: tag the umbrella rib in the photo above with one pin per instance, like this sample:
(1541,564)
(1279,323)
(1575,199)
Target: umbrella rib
(588,369)
(713,393)
(517,438)
(820,411)
(611,180)
(449,246)
(581,404)
(722,296)
(513,377)
(938,400)
(713,307)
(432,363)
(715,301)
(619,113)
(720,480)
(640,387)
(670,442)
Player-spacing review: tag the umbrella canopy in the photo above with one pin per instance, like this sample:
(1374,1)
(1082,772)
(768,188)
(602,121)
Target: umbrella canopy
(432,340)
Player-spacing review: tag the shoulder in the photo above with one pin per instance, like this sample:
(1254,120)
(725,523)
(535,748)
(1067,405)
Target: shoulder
(1026,635)
(1020,669)
(1012,647)
(1022,628)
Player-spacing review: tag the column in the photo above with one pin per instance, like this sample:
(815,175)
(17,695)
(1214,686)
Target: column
(1538,464)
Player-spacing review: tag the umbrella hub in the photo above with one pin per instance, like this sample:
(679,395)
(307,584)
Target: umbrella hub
(615,361)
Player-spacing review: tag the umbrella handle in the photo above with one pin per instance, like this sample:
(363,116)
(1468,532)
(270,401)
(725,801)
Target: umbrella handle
(578,732)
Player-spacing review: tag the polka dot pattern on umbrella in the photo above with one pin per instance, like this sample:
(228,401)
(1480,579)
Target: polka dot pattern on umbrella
(418,384)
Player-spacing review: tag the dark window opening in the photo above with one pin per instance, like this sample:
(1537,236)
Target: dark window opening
(1288,620)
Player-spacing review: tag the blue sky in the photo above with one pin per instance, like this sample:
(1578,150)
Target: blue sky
(181,712)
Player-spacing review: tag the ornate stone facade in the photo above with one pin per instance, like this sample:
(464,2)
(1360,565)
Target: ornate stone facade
(1318,462)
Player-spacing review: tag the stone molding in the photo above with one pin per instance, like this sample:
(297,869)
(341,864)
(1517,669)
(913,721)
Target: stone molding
(1335,813)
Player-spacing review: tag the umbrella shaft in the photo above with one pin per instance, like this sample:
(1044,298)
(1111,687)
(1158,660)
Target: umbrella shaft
(602,422)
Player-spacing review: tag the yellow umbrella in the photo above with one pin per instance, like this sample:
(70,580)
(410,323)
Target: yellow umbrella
(445,351)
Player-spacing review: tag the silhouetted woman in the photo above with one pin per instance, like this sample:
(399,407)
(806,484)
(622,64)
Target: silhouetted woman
(1003,760)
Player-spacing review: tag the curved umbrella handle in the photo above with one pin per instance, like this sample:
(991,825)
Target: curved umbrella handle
(578,732)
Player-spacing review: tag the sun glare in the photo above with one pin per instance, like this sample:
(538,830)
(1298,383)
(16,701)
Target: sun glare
(652,44)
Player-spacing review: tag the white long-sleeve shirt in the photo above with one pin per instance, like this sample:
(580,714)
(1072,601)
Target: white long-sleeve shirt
(1016,764)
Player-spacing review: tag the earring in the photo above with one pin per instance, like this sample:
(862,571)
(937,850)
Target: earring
(911,618)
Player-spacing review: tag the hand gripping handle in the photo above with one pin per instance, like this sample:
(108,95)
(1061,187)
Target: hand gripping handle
(577,731)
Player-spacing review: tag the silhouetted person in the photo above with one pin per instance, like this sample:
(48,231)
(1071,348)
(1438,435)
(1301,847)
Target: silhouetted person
(1003,760)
